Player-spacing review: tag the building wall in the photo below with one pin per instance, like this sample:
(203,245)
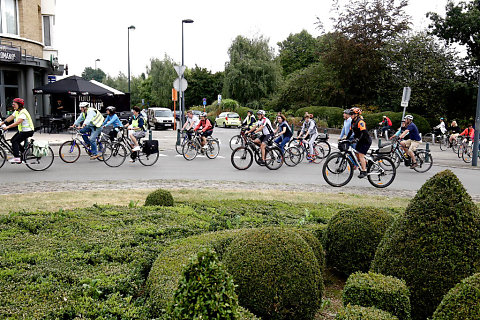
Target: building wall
(30,18)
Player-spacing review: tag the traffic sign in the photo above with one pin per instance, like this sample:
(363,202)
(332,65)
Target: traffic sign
(406,96)
(180,70)
(219,98)
(183,82)
(174,94)
(204,101)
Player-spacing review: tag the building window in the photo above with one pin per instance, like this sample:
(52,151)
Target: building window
(48,23)
(9,16)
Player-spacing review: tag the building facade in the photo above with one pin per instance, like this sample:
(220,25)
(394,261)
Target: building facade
(27,53)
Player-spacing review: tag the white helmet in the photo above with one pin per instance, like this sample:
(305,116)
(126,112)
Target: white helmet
(84,104)
(409,116)
(261,112)
(203,114)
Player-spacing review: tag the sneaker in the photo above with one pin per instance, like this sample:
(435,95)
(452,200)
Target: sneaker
(362,174)
(132,160)
(205,147)
(15,160)
(261,162)
(137,148)
(414,165)
(95,156)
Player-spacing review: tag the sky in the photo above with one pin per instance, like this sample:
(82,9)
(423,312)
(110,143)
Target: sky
(88,30)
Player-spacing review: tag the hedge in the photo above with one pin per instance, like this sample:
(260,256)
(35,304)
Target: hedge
(434,244)
(276,272)
(159,197)
(462,302)
(352,237)
(373,119)
(332,115)
(362,313)
(375,290)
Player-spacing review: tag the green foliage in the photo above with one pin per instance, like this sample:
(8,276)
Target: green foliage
(462,302)
(277,273)
(332,115)
(375,290)
(159,197)
(229,105)
(202,83)
(352,236)
(298,51)
(362,313)
(434,244)
(162,73)
(205,291)
(119,82)
(373,119)
(93,74)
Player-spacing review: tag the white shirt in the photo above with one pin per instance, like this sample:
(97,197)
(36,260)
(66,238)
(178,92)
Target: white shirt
(193,122)
(441,126)
(266,123)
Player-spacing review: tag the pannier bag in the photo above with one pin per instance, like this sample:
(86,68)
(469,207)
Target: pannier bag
(385,149)
(150,146)
(323,136)
(40,149)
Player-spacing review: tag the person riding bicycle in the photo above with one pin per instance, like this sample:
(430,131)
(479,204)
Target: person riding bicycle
(113,120)
(23,121)
(283,132)
(455,132)
(309,128)
(440,129)
(410,145)
(92,124)
(468,133)
(249,120)
(265,126)
(137,128)
(191,123)
(347,123)
(386,124)
(362,139)
(206,127)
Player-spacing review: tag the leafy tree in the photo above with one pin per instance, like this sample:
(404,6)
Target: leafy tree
(298,51)
(120,82)
(202,84)
(95,74)
(251,73)
(162,73)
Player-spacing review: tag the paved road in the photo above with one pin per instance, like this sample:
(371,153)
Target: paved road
(172,166)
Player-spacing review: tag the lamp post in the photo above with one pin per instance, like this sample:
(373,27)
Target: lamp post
(129,28)
(182,113)
(96,63)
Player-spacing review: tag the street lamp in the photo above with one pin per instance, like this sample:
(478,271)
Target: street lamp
(129,28)
(183,63)
(96,63)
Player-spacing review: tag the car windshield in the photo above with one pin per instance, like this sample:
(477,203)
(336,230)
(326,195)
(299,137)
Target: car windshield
(163,113)
(233,115)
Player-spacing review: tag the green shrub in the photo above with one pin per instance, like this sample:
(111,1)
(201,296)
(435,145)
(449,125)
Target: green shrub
(352,237)
(159,197)
(317,248)
(229,105)
(375,290)
(332,115)
(373,119)
(462,302)
(362,313)
(277,273)
(205,291)
(434,244)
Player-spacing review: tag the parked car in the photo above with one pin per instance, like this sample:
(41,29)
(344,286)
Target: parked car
(160,118)
(228,119)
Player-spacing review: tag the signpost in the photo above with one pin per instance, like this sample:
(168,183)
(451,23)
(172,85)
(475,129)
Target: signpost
(405,99)
(219,98)
(180,84)
(174,99)
(477,129)
(204,103)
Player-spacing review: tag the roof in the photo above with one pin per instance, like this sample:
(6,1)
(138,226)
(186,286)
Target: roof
(115,91)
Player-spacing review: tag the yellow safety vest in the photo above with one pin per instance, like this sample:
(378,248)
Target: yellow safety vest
(135,122)
(98,119)
(16,114)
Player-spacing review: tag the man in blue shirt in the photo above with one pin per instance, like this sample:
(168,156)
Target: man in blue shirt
(347,123)
(413,141)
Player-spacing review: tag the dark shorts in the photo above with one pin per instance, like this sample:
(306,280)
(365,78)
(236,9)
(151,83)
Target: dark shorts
(206,133)
(363,146)
(265,138)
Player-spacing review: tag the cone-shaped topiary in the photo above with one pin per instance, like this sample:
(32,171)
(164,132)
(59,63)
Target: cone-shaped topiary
(159,197)
(462,302)
(352,237)
(277,273)
(434,244)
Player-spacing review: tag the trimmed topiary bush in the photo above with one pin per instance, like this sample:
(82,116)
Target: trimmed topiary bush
(362,313)
(205,291)
(375,290)
(277,273)
(352,237)
(372,120)
(159,197)
(434,244)
(462,302)
(316,246)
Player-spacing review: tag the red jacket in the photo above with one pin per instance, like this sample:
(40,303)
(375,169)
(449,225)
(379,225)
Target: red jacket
(468,132)
(205,125)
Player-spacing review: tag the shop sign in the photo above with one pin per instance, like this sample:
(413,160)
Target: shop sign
(10,54)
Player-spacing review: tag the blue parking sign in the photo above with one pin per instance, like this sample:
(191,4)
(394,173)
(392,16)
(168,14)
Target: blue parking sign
(204,101)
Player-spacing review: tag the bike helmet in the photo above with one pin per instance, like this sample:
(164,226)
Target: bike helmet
(84,104)
(112,109)
(347,111)
(203,114)
(261,112)
(409,116)
(19,101)
(356,111)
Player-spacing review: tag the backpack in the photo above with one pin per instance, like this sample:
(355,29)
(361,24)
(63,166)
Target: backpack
(150,147)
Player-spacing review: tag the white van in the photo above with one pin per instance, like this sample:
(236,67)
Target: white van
(160,118)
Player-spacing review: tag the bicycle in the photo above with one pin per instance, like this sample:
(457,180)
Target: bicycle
(28,156)
(318,151)
(70,150)
(183,139)
(237,140)
(375,132)
(322,140)
(116,152)
(339,167)
(192,147)
(423,157)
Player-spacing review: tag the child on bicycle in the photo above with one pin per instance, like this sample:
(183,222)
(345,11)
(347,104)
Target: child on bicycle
(309,128)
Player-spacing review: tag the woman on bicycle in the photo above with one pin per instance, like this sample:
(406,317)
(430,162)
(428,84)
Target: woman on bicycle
(206,129)
(113,120)
(283,132)
(363,139)
(455,132)
(309,128)
(23,121)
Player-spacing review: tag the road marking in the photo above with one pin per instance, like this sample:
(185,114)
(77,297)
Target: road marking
(162,155)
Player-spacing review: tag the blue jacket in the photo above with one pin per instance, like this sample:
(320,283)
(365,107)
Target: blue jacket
(346,128)
(112,120)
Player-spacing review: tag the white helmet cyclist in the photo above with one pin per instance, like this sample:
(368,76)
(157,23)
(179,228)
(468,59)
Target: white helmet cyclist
(261,112)
(409,117)
(84,105)
(203,114)
(111,108)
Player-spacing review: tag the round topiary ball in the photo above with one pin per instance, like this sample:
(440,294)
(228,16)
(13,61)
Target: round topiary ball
(462,302)
(352,237)
(277,273)
(434,244)
(159,197)
(352,312)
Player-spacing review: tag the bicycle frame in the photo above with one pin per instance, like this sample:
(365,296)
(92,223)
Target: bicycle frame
(8,146)
(77,140)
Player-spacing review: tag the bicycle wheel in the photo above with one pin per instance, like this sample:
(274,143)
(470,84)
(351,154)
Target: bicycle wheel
(273,158)
(236,141)
(381,172)
(148,159)
(319,153)
(292,156)
(179,147)
(69,151)
(242,158)
(467,154)
(325,146)
(3,157)
(38,163)
(213,149)
(337,170)
(189,150)
(454,145)
(444,143)
(460,148)
(424,164)
(114,154)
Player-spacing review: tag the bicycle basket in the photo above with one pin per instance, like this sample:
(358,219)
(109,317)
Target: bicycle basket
(40,148)
(343,145)
(150,147)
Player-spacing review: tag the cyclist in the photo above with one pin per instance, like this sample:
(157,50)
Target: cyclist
(249,120)
(265,126)
(206,129)
(455,130)
(362,139)
(113,120)
(386,124)
(92,124)
(191,123)
(309,128)
(136,127)
(23,121)
(410,145)
(347,123)
(469,134)
(440,129)
(283,132)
